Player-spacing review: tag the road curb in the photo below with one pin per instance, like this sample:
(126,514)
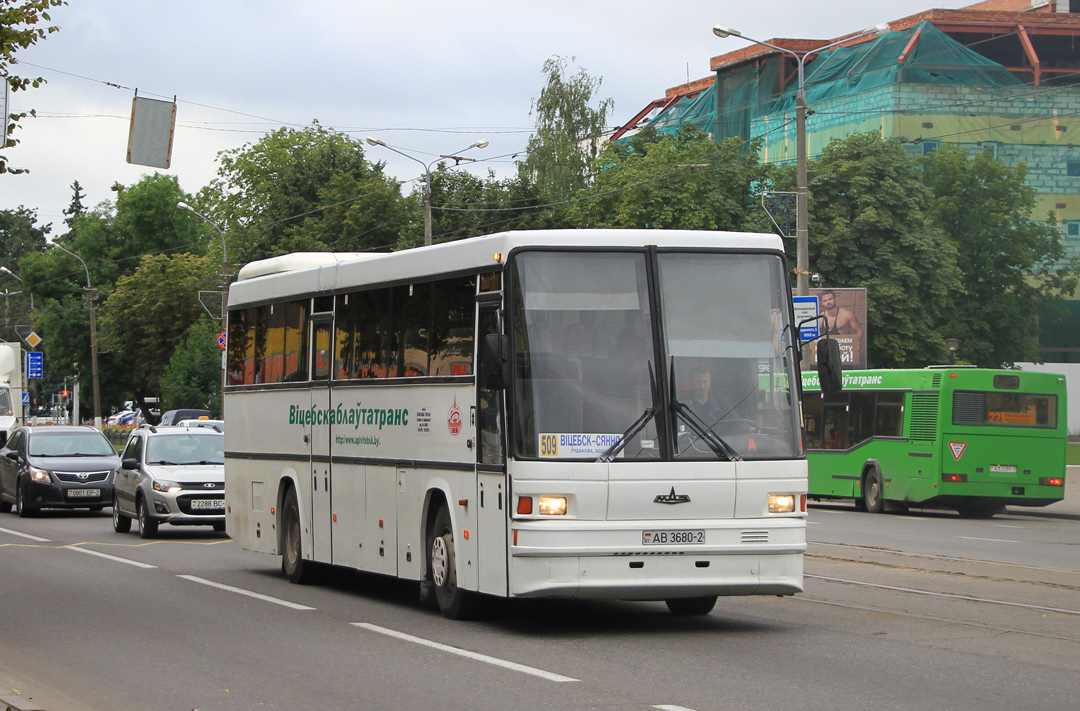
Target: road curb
(1042,514)
(18,703)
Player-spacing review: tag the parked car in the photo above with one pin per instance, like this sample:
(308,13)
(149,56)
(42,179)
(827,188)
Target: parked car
(171,475)
(62,467)
(217,424)
(171,417)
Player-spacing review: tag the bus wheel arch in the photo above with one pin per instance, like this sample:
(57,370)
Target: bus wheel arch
(441,564)
(291,538)
(872,486)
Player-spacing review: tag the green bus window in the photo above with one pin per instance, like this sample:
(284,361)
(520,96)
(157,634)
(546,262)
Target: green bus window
(890,415)
(835,422)
(812,419)
(861,417)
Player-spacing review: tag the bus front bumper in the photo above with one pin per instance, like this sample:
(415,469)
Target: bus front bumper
(610,560)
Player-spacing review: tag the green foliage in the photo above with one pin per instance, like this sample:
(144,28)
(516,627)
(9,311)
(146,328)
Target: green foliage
(1006,258)
(306,190)
(674,181)
(148,313)
(192,378)
(869,228)
(19,29)
(568,130)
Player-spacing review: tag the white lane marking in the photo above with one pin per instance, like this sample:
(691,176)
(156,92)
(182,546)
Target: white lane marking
(992,540)
(464,653)
(25,535)
(249,593)
(670,707)
(1005,525)
(136,563)
(815,523)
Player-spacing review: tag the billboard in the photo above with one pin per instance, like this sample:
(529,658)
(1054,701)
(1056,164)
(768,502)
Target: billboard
(845,311)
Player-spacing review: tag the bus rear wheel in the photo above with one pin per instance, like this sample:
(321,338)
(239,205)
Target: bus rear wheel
(294,566)
(873,495)
(454,603)
(691,605)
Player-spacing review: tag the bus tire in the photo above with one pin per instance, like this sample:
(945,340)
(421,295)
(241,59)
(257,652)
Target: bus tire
(296,569)
(873,492)
(691,605)
(454,603)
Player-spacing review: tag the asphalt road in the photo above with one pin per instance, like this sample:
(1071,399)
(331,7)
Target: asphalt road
(916,611)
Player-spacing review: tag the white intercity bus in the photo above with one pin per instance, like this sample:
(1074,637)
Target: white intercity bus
(568,413)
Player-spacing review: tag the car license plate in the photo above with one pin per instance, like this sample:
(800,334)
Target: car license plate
(1003,468)
(649,538)
(83,493)
(208,504)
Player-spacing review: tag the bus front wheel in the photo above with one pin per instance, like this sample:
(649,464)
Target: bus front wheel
(454,603)
(294,566)
(873,495)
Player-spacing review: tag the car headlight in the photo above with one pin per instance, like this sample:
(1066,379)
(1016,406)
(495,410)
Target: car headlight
(40,475)
(168,487)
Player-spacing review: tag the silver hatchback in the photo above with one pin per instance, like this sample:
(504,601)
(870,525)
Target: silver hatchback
(171,475)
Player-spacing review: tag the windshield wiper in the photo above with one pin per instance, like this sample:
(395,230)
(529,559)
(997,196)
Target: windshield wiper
(164,462)
(639,424)
(716,442)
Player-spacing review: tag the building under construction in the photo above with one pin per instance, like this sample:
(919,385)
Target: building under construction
(1000,75)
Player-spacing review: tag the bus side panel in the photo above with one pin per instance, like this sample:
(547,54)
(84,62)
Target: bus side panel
(380,541)
(830,475)
(349,502)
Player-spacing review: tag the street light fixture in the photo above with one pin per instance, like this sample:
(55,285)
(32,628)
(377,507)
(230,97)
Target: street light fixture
(802,208)
(953,344)
(10,273)
(93,337)
(482,143)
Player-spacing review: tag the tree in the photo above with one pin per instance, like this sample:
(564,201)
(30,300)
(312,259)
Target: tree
(1008,261)
(674,181)
(19,29)
(869,228)
(568,132)
(142,322)
(75,208)
(307,190)
(193,376)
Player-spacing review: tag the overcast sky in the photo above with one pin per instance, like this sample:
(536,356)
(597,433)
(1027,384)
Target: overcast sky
(426,77)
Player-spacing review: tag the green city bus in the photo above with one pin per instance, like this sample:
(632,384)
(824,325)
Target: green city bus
(965,438)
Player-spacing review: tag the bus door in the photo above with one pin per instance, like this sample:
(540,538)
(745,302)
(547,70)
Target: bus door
(491,519)
(322,359)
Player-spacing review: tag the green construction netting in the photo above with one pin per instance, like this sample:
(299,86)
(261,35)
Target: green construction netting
(749,93)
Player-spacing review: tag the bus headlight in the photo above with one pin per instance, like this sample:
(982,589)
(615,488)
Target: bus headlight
(552,506)
(781,503)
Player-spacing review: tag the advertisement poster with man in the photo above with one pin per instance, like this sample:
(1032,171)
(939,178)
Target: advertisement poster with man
(845,310)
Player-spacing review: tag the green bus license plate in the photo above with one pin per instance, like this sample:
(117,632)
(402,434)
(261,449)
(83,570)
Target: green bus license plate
(1002,468)
(83,493)
(649,538)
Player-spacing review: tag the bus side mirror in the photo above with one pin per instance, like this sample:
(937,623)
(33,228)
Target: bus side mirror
(828,358)
(494,357)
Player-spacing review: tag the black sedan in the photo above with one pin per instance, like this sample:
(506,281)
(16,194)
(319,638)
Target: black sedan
(56,467)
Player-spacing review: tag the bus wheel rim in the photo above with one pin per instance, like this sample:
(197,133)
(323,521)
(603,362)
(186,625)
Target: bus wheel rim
(439,560)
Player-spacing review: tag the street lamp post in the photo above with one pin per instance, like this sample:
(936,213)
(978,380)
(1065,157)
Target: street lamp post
(482,143)
(224,254)
(953,344)
(10,273)
(802,207)
(93,337)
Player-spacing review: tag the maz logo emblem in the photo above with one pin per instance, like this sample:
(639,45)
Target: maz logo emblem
(672,498)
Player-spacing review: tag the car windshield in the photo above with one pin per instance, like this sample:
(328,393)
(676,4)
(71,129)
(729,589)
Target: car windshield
(69,444)
(185,448)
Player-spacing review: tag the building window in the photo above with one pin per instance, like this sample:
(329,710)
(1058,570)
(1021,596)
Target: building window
(1072,169)
(1072,228)
(930,146)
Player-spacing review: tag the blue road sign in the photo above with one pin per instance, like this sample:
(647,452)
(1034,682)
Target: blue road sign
(806,307)
(26,398)
(35,365)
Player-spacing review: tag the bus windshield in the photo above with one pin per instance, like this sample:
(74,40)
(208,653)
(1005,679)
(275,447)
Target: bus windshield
(585,348)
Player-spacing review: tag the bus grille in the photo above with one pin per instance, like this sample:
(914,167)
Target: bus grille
(755,536)
(924,410)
